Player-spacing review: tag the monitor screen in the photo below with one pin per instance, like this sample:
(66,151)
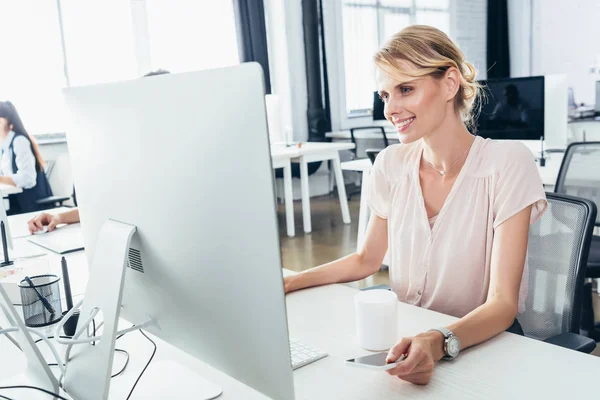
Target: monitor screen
(513,109)
(378,107)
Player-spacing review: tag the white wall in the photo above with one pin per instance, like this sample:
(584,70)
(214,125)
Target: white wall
(519,17)
(468,28)
(565,40)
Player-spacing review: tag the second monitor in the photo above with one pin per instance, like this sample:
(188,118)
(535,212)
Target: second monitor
(513,108)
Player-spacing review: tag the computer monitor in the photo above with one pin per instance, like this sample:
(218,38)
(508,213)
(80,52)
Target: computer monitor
(185,159)
(513,109)
(378,108)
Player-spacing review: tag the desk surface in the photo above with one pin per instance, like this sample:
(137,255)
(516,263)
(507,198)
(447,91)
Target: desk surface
(506,366)
(282,151)
(9,189)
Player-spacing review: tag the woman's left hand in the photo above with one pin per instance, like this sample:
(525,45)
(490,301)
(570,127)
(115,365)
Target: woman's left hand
(422,351)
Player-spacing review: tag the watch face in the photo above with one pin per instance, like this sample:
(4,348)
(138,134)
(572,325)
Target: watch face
(453,346)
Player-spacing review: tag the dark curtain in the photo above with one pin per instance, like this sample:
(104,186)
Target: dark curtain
(498,58)
(252,35)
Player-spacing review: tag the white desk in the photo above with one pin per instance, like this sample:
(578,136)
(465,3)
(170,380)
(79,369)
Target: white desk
(549,173)
(311,152)
(9,189)
(508,366)
(283,156)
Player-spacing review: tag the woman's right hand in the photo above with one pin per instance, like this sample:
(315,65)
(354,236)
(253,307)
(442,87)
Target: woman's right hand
(287,284)
(44,219)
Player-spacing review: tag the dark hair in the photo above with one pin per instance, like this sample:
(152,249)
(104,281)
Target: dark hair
(9,112)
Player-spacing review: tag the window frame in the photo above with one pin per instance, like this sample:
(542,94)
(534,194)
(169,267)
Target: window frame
(341,118)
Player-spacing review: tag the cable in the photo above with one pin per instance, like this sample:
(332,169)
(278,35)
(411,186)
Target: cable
(33,387)
(4,397)
(125,365)
(51,337)
(90,339)
(118,373)
(147,364)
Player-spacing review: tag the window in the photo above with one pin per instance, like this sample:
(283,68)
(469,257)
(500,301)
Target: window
(366,25)
(99,41)
(188,35)
(104,41)
(31,71)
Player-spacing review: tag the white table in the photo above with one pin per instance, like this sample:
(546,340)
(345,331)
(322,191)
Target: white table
(282,156)
(7,190)
(312,152)
(548,173)
(507,366)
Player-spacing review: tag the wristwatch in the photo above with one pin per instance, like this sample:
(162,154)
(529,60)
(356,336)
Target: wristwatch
(451,343)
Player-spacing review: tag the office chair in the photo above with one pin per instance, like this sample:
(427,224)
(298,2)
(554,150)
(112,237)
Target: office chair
(579,175)
(59,177)
(557,255)
(372,154)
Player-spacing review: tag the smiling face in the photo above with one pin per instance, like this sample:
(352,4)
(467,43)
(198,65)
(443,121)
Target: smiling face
(417,107)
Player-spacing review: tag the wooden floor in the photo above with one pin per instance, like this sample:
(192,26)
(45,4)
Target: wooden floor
(331,239)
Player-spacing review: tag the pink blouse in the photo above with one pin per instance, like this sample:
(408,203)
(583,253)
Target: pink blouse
(444,264)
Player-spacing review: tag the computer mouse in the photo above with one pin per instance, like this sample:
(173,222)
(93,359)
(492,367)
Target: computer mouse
(43,230)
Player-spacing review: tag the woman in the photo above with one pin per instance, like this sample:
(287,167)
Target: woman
(453,209)
(21,163)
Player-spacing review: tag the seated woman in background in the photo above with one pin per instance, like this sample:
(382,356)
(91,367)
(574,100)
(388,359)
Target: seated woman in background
(21,163)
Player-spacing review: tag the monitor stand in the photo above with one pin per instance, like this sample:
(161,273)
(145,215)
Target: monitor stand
(89,368)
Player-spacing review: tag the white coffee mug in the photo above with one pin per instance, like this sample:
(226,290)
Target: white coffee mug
(376,319)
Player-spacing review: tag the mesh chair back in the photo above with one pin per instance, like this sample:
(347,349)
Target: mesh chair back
(580,172)
(557,257)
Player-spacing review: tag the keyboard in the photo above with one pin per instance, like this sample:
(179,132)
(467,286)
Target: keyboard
(303,354)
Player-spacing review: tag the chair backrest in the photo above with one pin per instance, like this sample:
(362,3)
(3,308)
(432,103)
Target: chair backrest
(579,173)
(557,253)
(60,176)
(372,154)
(384,140)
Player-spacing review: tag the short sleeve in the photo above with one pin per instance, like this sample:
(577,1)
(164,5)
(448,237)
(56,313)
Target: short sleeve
(519,185)
(379,188)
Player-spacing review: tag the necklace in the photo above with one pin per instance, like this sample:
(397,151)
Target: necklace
(443,172)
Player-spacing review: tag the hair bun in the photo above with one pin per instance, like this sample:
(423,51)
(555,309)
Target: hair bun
(469,72)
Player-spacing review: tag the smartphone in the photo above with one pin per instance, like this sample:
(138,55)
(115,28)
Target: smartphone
(374,361)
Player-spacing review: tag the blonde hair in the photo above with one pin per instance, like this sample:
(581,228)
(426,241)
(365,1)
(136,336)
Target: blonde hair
(432,52)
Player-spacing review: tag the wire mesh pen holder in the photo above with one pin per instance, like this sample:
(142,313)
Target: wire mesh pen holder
(40,297)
